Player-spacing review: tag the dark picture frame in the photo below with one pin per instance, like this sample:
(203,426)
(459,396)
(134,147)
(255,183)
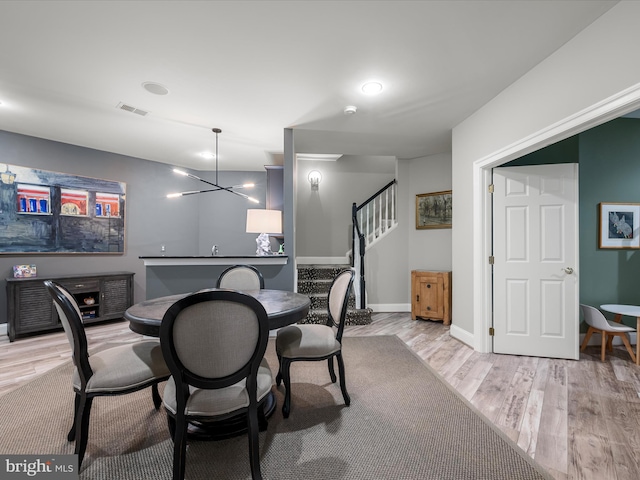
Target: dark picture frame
(433,210)
(619,225)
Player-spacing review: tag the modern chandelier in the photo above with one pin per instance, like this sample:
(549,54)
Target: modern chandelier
(215,184)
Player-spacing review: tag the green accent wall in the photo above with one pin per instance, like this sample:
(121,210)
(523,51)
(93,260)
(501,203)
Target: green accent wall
(610,173)
(566,151)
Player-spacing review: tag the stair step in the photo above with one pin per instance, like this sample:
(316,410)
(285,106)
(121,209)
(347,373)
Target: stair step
(313,287)
(315,281)
(319,272)
(320,301)
(354,317)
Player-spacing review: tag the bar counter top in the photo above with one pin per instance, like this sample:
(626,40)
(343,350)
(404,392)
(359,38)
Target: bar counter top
(173,261)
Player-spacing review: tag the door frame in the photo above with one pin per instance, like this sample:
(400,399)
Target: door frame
(613,107)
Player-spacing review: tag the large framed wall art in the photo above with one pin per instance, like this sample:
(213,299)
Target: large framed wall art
(51,212)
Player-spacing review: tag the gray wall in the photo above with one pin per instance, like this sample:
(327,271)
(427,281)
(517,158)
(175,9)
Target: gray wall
(324,222)
(323,217)
(186,226)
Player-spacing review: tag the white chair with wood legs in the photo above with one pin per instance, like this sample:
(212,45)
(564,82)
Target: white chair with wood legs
(598,323)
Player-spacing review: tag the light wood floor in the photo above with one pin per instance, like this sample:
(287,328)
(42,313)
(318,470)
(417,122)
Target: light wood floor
(578,419)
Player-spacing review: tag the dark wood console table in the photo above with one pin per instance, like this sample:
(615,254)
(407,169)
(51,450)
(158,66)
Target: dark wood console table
(101,296)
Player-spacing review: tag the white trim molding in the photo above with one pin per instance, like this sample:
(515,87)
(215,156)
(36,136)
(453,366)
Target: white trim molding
(462,335)
(390,307)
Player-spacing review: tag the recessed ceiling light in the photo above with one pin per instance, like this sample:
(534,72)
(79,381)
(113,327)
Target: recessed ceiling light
(372,88)
(350,109)
(207,155)
(155,88)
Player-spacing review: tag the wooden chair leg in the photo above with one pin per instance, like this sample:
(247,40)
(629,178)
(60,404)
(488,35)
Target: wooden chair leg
(343,382)
(625,340)
(180,448)
(155,394)
(71,436)
(284,370)
(279,375)
(254,447)
(587,337)
(604,345)
(332,372)
(82,429)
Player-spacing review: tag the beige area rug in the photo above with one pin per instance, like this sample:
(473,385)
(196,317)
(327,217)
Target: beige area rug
(404,422)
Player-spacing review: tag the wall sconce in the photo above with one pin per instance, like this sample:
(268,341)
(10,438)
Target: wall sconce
(264,222)
(314,179)
(7,176)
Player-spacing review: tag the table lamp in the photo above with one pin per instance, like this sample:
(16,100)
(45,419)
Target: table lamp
(264,222)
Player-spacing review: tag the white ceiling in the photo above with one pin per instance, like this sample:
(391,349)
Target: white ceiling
(254,68)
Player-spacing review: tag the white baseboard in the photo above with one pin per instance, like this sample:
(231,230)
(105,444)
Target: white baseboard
(390,307)
(323,261)
(3,328)
(462,335)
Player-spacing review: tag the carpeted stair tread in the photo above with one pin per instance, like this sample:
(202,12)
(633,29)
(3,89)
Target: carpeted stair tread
(315,281)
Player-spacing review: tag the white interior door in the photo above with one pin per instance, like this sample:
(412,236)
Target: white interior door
(535,249)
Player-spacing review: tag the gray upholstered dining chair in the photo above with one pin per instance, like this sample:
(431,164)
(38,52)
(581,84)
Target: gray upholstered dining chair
(214,344)
(241,277)
(114,371)
(598,323)
(312,342)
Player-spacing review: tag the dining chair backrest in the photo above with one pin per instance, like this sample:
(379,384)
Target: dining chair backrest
(595,318)
(71,319)
(241,277)
(214,339)
(338,300)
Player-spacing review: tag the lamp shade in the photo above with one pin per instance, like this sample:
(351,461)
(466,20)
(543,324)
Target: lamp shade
(264,221)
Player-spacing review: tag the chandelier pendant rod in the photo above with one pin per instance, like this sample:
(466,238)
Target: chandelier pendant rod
(216,131)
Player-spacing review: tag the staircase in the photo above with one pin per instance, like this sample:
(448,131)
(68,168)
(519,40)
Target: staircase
(314,281)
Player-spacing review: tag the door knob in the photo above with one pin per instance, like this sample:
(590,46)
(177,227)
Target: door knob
(568,270)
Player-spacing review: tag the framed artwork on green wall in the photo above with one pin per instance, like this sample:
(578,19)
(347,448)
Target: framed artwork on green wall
(619,225)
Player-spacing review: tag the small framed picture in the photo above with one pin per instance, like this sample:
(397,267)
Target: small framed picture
(619,225)
(433,210)
(24,271)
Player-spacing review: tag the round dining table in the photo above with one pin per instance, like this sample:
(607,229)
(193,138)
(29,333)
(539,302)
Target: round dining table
(282,307)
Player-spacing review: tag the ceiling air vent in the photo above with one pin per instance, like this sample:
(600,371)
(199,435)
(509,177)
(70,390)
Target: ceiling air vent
(129,108)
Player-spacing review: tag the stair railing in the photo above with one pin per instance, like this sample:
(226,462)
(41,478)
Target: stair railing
(371,219)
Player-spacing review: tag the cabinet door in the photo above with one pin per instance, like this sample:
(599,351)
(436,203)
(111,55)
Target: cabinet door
(116,296)
(431,305)
(34,309)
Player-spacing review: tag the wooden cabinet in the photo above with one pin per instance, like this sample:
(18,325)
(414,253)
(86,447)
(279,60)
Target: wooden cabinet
(431,295)
(101,296)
